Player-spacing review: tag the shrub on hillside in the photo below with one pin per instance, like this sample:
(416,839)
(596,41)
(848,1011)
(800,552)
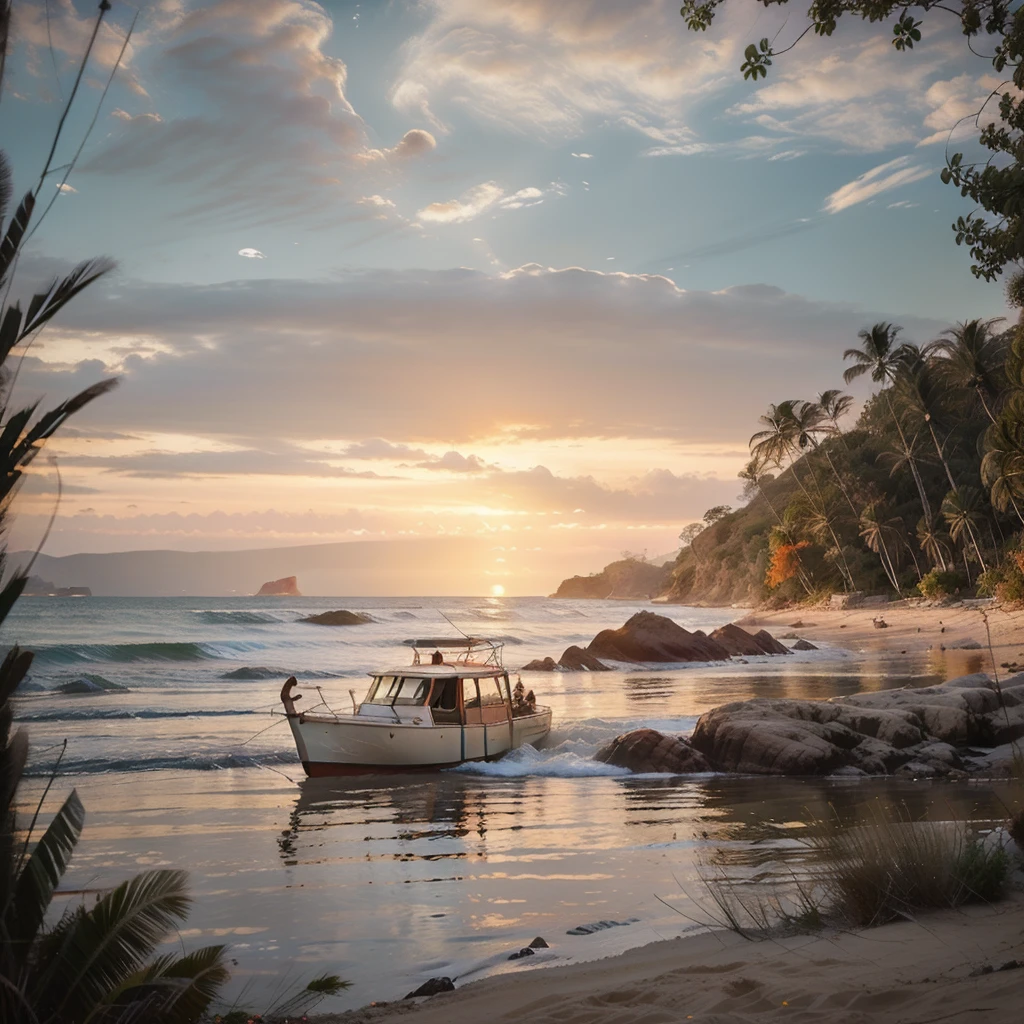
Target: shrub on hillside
(939,583)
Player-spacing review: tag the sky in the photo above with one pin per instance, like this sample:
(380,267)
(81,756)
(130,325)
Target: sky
(526,271)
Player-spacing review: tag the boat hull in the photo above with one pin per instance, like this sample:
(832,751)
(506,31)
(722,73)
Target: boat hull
(354,746)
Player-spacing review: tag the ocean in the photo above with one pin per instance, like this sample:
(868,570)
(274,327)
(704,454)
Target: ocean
(391,880)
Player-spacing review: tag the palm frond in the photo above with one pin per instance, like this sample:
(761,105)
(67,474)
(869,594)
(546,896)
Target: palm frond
(42,872)
(46,304)
(14,234)
(109,942)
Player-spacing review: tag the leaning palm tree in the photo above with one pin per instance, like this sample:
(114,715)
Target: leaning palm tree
(973,360)
(921,392)
(882,532)
(962,511)
(880,356)
(931,542)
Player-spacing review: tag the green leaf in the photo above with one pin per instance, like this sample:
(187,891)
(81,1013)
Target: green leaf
(42,873)
(108,943)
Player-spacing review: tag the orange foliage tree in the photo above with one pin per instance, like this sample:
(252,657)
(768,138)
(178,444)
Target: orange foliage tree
(785,563)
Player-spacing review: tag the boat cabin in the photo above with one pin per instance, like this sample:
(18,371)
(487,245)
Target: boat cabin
(462,682)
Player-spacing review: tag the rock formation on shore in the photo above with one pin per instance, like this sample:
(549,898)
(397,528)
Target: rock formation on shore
(339,618)
(930,731)
(648,637)
(741,644)
(647,750)
(287,586)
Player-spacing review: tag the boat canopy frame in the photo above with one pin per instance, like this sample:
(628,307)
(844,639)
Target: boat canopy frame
(468,650)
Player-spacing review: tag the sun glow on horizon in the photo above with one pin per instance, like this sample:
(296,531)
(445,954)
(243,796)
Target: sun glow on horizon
(497,590)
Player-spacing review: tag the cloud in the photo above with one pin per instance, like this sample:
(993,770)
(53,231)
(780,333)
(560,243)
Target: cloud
(871,183)
(568,353)
(65,188)
(456,211)
(251,254)
(270,118)
(583,156)
(487,196)
(453,462)
(414,143)
(378,448)
(553,67)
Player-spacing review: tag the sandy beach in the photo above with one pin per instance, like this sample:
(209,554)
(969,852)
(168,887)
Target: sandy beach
(919,972)
(941,967)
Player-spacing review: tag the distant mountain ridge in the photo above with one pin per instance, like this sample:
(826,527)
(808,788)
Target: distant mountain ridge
(435,566)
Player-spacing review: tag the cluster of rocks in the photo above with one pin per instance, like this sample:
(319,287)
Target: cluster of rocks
(929,731)
(648,637)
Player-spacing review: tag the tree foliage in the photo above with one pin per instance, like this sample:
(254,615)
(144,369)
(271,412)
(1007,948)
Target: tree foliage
(994,230)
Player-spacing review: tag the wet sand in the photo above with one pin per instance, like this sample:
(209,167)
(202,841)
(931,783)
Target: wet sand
(917,972)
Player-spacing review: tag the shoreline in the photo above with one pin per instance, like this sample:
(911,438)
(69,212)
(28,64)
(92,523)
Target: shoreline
(952,630)
(909,972)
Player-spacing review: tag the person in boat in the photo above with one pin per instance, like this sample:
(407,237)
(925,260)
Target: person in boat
(437,658)
(521,700)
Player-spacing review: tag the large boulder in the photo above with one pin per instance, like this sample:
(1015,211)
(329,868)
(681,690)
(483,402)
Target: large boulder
(647,637)
(576,659)
(739,643)
(540,665)
(646,750)
(911,731)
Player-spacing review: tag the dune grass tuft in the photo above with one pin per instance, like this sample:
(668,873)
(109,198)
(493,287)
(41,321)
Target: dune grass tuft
(886,867)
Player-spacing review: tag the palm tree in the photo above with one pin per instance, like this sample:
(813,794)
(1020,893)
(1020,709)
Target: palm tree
(789,428)
(1002,465)
(974,360)
(961,509)
(875,527)
(929,539)
(880,356)
(921,392)
(834,404)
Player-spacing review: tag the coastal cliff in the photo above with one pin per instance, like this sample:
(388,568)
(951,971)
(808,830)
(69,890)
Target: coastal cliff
(287,586)
(627,579)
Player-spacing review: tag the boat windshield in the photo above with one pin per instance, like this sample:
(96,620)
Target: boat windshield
(408,690)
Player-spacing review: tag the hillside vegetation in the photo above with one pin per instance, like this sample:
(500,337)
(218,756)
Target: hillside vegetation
(923,494)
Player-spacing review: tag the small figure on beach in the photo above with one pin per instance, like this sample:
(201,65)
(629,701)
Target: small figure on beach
(879,622)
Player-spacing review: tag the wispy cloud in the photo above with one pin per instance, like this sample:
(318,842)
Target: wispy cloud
(251,254)
(471,204)
(882,178)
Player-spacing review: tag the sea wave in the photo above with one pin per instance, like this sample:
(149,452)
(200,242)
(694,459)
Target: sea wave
(254,673)
(78,714)
(238,618)
(191,762)
(528,760)
(70,654)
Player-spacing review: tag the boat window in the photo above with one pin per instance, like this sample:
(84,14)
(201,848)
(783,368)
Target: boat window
(412,691)
(490,691)
(398,690)
(470,694)
(445,695)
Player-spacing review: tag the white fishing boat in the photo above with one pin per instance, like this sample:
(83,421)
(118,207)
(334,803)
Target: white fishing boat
(453,704)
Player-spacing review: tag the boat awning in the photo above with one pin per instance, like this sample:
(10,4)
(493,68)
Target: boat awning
(449,642)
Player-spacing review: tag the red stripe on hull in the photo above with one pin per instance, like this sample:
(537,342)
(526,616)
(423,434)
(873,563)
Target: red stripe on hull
(325,769)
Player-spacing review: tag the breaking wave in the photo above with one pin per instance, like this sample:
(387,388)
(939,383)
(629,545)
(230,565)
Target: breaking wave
(254,673)
(96,714)
(549,763)
(238,618)
(71,654)
(193,762)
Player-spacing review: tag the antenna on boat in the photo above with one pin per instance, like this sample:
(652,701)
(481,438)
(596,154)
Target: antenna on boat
(452,624)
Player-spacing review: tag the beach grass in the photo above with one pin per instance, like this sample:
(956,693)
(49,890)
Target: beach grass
(884,868)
